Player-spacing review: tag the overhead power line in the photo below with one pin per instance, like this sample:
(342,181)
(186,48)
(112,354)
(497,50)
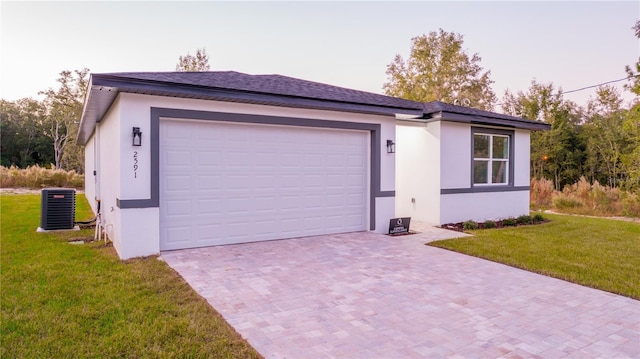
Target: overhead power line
(604,83)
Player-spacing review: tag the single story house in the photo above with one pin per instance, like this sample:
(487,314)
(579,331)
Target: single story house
(189,159)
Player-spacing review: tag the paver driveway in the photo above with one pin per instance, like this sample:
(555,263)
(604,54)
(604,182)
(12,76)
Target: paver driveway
(364,295)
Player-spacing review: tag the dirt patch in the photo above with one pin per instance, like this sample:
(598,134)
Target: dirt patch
(626,219)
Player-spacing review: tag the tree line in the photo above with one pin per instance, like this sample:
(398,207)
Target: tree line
(599,140)
(43,132)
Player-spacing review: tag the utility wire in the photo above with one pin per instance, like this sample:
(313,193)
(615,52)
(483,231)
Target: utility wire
(592,86)
(604,83)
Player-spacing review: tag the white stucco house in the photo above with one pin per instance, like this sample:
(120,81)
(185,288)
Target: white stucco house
(181,160)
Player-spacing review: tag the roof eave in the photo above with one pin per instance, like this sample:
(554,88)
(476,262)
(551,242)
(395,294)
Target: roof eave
(98,100)
(103,90)
(485,120)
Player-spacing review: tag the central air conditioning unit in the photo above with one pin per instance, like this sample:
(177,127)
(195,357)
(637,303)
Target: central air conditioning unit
(58,210)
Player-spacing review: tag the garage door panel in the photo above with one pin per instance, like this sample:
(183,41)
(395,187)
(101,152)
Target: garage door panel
(209,206)
(265,182)
(240,181)
(355,200)
(355,180)
(208,232)
(238,207)
(206,182)
(354,221)
(178,234)
(178,158)
(176,132)
(178,208)
(177,183)
(209,159)
(254,182)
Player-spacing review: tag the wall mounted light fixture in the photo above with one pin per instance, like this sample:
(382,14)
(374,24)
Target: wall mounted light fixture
(391,146)
(137,136)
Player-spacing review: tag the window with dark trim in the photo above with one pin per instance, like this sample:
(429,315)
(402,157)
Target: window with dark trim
(492,157)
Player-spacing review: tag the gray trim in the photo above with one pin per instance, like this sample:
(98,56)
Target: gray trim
(494,131)
(158,113)
(481,189)
(132,203)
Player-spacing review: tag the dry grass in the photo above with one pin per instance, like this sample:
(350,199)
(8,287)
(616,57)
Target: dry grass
(585,198)
(37,177)
(541,192)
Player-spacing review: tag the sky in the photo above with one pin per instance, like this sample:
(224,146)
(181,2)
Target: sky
(571,44)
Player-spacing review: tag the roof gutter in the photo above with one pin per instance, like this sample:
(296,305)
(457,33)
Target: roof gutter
(485,120)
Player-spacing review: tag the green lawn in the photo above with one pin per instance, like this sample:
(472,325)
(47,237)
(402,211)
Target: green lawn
(60,300)
(595,252)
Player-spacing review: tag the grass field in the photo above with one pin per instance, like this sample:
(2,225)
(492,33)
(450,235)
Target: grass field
(60,300)
(595,252)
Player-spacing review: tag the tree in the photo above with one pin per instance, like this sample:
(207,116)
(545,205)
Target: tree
(24,142)
(559,152)
(438,69)
(606,139)
(64,109)
(631,125)
(197,62)
(630,157)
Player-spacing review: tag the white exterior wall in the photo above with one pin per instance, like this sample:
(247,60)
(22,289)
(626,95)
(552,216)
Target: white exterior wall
(460,207)
(436,156)
(108,169)
(455,152)
(135,232)
(89,178)
(483,206)
(418,171)
(522,176)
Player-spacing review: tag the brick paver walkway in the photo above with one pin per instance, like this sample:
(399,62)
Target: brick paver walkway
(364,295)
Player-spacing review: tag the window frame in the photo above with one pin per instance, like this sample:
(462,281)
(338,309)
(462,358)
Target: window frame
(510,156)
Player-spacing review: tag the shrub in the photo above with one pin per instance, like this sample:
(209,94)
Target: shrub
(524,219)
(630,205)
(489,224)
(538,218)
(582,188)
(541,192)
(36,177)
(509,222)
(468,225)
(563,201)
(584,198)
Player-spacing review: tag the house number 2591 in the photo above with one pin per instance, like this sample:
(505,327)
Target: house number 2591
(135,164)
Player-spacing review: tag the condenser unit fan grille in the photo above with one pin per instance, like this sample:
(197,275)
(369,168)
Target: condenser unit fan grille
(58,209)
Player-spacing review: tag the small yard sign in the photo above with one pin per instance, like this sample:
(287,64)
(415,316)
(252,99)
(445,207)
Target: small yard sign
(399,225)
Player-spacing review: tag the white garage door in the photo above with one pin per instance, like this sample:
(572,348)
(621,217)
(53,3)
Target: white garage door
(223,183)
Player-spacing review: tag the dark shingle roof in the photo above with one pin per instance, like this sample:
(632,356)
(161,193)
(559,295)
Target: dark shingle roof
(274,90)
(271,84)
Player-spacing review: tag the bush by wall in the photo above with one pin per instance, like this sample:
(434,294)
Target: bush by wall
(36,177)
